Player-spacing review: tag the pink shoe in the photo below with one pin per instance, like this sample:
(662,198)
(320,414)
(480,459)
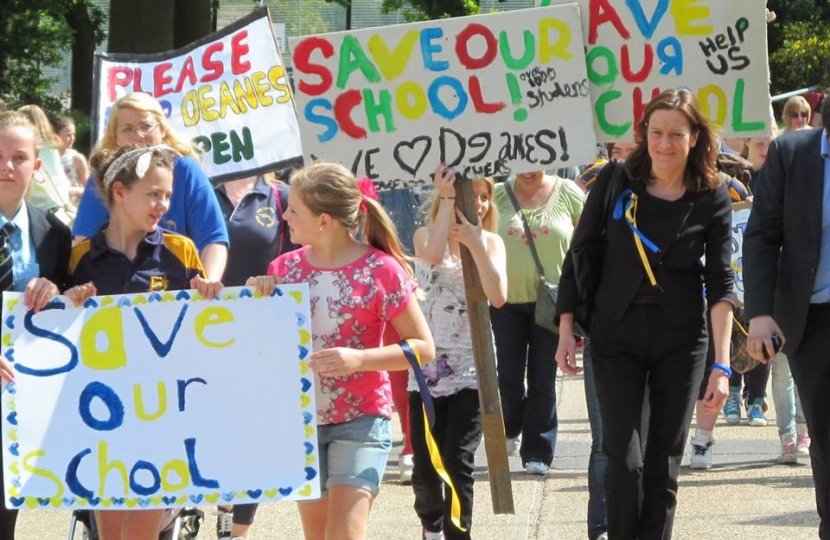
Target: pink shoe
(803,444)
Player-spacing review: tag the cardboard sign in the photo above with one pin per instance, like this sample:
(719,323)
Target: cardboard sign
(487,95)
(740,217)
(638,48)
(159,400)
(228,92)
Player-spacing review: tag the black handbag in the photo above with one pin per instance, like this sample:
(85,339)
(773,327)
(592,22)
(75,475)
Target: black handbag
(546,292)
(588,259)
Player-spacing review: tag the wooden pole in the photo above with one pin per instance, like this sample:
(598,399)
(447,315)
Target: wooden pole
(501,491)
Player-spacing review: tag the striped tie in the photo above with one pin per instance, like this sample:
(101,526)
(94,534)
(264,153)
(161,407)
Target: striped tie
(6,274)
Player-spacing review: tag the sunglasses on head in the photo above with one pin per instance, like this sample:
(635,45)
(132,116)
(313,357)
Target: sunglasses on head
(802,114)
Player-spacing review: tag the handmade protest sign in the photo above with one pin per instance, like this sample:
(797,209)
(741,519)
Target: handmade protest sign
(740,217)
(228,92)
(638,48)
(158,400)
(487,95)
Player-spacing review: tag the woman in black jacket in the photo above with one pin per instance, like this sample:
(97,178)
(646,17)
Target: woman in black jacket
(649,321)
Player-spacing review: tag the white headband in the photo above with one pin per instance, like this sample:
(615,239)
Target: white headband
(143,157)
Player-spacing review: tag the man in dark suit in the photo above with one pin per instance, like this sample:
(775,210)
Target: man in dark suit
(787,280)
(34,245)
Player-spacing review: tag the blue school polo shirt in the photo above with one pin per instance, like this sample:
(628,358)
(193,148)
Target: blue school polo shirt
(164,261)
(256,228)
(193,211)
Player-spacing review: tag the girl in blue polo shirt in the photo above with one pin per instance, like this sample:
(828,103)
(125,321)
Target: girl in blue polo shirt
(132,254)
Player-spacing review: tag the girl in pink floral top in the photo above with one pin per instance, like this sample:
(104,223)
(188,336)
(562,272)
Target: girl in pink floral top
(356,290)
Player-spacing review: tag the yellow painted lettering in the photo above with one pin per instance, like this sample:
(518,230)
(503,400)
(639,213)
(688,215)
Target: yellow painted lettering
(262,88)
(37,471)
(559,48)
(704,99)
(411,100)
(138,396)
(210,316)
(190,108)
(691,19)
(105,467)
(180,468)
(276,76)
(245,95)
(206,103)
(106,323)
(392,63)
(226,100)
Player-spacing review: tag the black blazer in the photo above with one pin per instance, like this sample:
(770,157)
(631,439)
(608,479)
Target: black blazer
(696,224)
(53,243)
(782,242)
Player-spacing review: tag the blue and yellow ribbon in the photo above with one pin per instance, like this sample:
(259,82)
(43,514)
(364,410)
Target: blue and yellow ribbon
(639,238)
(414,359)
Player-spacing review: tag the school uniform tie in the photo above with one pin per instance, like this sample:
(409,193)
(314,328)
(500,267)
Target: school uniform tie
(6,274)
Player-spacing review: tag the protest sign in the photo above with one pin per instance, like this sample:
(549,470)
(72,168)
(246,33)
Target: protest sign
(228,92)
(487,95)
(638,48)
(740,217)
(159,400)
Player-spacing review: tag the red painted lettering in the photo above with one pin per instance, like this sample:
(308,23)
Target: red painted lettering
(303,64)
(625,64)
(117,76)
(599,13)
(463,52)
(478,100)
(239,49)
(639,104)
(214,67)
(137,81)
(188,74)
(161,79)
(343,106)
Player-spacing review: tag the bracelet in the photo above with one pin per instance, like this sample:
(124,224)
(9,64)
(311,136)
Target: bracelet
(723,367)
(447,198)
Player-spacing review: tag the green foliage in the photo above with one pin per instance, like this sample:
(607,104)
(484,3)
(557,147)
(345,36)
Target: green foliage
(34,36)
(426,10)
(789,11)
(804,57)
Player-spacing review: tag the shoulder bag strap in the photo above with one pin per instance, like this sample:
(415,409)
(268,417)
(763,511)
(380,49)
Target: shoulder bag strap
(539,268)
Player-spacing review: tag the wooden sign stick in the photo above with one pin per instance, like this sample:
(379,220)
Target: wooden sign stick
(501,491)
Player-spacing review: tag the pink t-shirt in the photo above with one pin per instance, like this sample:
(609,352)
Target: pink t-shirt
(350,307)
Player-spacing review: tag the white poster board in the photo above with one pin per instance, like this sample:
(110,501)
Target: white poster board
(159,400)
(487,95)
(228,92)
(637,48)
(740,217)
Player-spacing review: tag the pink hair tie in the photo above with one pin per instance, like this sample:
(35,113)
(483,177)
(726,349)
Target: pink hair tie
(368,190)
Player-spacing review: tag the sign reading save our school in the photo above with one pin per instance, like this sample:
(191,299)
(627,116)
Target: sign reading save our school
(487,95)
(158,400)
(637,48)
(228,92)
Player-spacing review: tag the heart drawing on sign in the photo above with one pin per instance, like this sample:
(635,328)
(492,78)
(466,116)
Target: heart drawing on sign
(414,151)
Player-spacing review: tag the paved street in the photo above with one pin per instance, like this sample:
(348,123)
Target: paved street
(746,495)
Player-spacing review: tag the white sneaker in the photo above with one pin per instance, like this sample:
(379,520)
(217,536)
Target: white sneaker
(701,455)
(513,445)
(536,468)
(433,535)
(224,523)
(405,466)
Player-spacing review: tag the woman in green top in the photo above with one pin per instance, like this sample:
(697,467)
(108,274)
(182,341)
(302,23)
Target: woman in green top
(551,206)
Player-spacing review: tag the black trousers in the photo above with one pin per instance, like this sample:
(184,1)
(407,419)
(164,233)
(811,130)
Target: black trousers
(644,348)
(810,366)
(457,433)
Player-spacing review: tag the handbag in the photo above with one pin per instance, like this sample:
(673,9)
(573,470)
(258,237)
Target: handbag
(546,292)
(588,259)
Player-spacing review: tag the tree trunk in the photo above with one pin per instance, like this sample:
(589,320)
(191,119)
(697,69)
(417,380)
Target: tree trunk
(83,49)
(193,19)
(141,26)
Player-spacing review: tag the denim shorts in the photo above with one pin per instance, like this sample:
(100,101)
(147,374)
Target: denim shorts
(354,453)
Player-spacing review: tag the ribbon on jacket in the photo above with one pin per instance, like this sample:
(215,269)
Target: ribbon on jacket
(414,359)
(629,199)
